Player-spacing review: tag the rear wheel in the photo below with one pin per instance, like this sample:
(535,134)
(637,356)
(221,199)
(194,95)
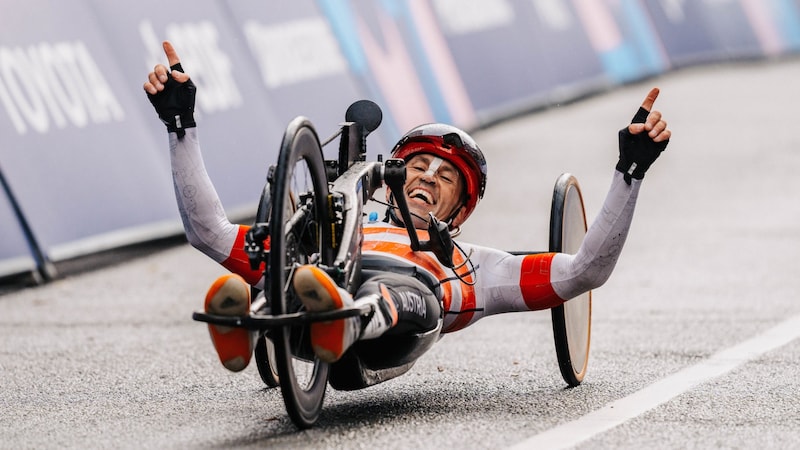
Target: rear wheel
(299,234)
(264,353)
(572,321)
(265,361)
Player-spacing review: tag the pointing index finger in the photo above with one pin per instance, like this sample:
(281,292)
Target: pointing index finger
(650,99)
(172,56)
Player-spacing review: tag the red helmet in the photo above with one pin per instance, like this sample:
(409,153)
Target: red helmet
(453,145)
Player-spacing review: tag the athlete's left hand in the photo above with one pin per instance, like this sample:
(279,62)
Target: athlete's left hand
(641,142)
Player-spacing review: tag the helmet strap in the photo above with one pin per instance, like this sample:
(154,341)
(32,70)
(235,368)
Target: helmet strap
(391,217)
(452,217)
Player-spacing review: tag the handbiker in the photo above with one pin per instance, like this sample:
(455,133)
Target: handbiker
(446,177)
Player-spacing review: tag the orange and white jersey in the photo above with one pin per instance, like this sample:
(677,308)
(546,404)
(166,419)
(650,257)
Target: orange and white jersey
(485,281)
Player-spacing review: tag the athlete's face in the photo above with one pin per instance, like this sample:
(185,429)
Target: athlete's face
(433,185)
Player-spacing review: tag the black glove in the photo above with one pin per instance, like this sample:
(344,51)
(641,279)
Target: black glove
(175,104)
(637,151)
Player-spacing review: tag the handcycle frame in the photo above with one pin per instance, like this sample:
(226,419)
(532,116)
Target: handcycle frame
(335,238)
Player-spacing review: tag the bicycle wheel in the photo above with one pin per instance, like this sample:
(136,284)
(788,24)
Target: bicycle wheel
(572,321)
(299,234)
(264,353)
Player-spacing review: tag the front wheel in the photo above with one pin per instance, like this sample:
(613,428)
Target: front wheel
(299,234)
(572,320)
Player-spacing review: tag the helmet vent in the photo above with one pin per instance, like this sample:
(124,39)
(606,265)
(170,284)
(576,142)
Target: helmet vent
(453,140)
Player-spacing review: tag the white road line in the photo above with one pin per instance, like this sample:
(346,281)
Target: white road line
(572,433)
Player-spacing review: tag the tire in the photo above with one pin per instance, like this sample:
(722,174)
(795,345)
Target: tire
(300,170)
(265,361)
(264,354)
(572,321)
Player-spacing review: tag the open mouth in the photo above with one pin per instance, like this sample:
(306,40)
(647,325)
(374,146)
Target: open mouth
(421,194)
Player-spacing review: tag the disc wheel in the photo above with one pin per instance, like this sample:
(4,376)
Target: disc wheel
(572,320)
(299,234)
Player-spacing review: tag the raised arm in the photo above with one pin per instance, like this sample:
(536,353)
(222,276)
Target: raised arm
(172,93)
(640,143)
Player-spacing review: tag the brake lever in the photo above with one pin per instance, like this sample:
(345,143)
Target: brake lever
(254,245)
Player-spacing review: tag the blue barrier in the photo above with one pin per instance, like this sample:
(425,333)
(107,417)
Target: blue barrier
(84,159)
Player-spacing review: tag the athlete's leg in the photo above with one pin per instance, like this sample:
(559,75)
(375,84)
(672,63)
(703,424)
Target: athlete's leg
(402,305)
(330,340)
(229,295)
(418,310)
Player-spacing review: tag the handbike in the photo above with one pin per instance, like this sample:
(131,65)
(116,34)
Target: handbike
(310,212)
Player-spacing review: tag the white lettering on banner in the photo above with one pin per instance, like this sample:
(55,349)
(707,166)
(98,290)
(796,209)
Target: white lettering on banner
(202,58)
(293,52)
(554,13)
(470,16)
(673,9)
(55,84)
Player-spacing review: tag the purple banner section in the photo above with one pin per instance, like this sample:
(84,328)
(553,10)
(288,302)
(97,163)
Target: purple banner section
(703,30)
(518,54)
(73,150)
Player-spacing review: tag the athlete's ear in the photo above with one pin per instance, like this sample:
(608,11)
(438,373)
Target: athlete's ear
(459,217)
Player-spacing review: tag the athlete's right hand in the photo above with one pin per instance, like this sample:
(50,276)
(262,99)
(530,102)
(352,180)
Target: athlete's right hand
(172,93)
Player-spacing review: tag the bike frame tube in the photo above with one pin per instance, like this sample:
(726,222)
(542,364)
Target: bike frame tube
(356,186)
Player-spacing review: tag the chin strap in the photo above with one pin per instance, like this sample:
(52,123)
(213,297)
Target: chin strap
(391,217)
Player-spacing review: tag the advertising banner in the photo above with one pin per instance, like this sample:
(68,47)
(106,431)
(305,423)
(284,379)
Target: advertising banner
(87,159)
(623,36)
(776,24)
(516,54)
(703,30)
(299,65)
(239,131)
(73,149)
(396,51)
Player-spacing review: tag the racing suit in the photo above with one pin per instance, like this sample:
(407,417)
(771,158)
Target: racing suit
(487,282)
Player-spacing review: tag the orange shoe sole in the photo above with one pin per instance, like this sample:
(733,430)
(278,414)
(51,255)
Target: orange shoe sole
(234,346)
